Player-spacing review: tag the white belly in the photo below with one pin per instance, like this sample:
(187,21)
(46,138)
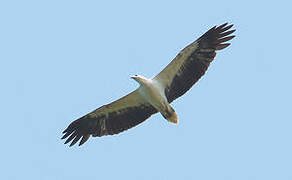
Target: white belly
(153,93)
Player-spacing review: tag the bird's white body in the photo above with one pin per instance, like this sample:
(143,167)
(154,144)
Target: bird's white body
(152,91)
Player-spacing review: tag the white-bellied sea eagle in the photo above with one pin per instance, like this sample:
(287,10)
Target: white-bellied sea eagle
(154,95)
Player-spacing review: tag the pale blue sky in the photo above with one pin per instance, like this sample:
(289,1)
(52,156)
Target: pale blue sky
(62,59)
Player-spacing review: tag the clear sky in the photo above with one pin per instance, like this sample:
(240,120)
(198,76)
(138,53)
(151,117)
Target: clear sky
(62,59)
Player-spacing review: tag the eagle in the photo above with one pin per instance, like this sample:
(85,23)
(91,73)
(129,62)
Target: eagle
(153,95)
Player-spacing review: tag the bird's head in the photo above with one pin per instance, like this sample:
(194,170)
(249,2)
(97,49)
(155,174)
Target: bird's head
(140,79)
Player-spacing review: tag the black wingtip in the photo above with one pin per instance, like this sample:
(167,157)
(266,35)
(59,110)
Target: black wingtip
(70,138)
(222,46)
(76,139)
(64,136)
(224,39)
(226,33)
(222,25)
(223,34)
(84,139)
(225,28)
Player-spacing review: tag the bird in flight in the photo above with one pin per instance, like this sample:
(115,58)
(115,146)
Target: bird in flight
(153,95)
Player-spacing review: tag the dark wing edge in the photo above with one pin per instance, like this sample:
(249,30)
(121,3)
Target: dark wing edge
(107,120)
(197,63)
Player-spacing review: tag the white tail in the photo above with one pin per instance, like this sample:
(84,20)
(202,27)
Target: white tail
(173,118)
(170,115)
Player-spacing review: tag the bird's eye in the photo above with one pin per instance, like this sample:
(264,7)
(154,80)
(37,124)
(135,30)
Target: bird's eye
(136,75)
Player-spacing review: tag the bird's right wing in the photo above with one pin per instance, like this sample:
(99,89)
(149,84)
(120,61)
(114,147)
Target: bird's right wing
(193,61)
(109,119)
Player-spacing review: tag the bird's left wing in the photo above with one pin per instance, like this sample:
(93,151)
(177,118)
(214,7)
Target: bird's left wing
(109,119)
(193,61)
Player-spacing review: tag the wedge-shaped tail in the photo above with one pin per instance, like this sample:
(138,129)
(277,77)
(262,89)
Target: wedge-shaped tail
(170,115)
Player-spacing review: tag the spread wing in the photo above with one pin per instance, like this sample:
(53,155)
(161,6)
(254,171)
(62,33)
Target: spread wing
(109,119)
(193,61)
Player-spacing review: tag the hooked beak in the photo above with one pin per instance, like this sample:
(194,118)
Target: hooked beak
(133,77)
(136,78)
